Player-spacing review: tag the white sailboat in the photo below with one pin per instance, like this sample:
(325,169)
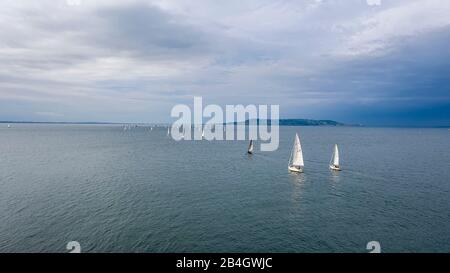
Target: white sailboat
(9,125)
(334,162)
(250,147)
(203,134)
(168,130)
(296,163)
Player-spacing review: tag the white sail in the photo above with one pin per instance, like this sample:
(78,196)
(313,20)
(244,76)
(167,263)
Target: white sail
(168,130)
(203,134)
(297,154)
(335,158)
(250,147)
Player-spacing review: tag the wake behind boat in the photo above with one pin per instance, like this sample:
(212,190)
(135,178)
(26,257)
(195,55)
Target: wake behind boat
(296,163)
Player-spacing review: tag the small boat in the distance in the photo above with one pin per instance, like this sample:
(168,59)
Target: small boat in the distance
(9,125)
(250,147)
(334,162)
(296,163)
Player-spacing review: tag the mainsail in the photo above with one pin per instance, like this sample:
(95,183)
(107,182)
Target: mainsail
(250,147)
(335,157)
(297,154)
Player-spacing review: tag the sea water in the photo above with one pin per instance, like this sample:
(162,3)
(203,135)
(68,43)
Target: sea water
(138,190)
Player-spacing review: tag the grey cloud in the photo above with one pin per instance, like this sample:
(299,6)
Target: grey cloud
(146,31)
(134,60)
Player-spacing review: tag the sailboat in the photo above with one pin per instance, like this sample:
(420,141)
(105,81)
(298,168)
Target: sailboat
(203,134)
(9,125)
(296,163)
(250,147)
(168,130)
(334,162)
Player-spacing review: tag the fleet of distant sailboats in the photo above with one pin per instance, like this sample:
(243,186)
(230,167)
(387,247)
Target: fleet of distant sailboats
(296,162)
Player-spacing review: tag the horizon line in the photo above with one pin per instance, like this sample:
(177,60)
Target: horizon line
(166,123)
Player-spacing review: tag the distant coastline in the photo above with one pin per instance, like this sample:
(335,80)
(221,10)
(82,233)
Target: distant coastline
(282,122)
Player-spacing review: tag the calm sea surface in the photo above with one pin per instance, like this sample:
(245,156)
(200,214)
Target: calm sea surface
(140,191)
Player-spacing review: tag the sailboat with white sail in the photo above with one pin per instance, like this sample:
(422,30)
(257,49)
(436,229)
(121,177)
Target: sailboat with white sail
(168,130)
(334,162)
(296,163)
(250,147)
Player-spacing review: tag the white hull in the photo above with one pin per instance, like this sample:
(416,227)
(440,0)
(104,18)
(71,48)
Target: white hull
(295,169)
(335,168)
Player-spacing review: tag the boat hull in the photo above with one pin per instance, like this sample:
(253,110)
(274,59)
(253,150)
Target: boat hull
(334,168)
(295,169)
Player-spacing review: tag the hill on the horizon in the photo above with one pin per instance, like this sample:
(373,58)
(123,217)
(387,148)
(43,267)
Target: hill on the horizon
(299,122)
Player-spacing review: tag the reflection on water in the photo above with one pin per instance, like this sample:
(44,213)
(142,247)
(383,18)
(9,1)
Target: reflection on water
(298,181)
(297,178)
(335,177)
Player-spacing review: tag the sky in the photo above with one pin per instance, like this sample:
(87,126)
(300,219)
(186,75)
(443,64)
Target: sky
(371,62)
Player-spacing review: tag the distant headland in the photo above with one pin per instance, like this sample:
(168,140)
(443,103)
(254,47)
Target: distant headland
(300,122)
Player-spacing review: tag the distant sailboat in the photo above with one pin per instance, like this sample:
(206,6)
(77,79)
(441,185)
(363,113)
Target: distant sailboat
(168,130)
(250,147)
(9,125)
(334,162)
(203,134)
(296,163)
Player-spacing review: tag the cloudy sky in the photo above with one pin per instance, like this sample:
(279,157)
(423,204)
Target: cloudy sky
(375,62)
